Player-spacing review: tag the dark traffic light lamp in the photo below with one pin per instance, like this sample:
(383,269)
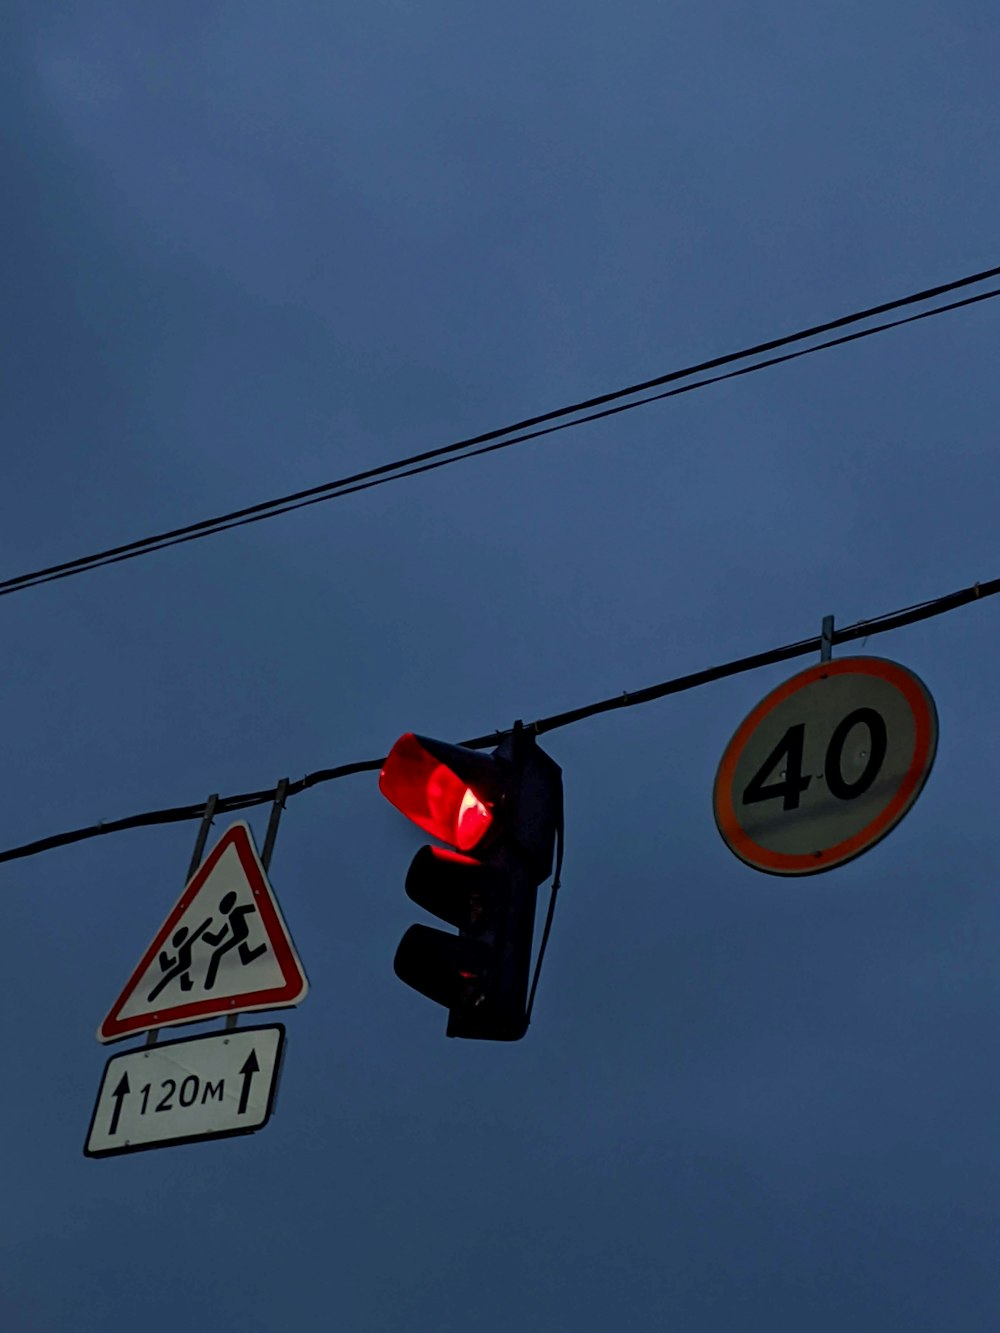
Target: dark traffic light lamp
(501,812)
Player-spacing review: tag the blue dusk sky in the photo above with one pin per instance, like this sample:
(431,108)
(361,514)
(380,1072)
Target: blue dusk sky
(250,247)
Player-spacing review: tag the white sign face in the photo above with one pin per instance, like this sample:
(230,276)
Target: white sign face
(826,765)
(179,1091)
(223,949)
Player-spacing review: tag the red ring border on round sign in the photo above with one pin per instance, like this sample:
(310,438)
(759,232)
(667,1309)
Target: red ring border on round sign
(804,863)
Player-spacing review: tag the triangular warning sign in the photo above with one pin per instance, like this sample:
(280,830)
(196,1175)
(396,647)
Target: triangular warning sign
(223,949)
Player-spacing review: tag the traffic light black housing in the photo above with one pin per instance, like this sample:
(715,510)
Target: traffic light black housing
(501,813)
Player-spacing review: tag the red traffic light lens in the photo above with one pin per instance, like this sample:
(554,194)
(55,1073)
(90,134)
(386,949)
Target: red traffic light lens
(433,796)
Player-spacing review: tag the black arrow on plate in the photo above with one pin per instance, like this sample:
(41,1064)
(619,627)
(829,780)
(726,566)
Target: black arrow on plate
(119,1094)
(248,1068)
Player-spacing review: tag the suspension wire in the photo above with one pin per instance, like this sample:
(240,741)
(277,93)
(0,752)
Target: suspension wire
(882,624)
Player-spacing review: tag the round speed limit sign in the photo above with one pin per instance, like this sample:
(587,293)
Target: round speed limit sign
(826,765)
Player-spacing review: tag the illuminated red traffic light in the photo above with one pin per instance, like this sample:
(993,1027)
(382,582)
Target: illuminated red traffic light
(501,813)
(433,795)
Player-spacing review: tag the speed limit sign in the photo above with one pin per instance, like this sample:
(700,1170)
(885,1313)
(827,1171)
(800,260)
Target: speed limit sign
(826,765)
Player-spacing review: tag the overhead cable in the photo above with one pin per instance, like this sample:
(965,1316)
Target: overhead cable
(490,441)
(862,629)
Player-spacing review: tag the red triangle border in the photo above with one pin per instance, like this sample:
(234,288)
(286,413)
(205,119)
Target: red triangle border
(295,984)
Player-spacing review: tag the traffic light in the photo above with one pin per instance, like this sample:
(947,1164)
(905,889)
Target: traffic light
(500,813)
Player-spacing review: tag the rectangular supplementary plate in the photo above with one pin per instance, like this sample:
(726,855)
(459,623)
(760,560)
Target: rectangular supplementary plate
(181,1091)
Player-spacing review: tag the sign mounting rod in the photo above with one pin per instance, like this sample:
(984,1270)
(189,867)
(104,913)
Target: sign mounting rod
(826,639)
(270,837)
(204,828)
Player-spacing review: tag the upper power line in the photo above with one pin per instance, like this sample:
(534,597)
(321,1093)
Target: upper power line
(517,432)
(909,615)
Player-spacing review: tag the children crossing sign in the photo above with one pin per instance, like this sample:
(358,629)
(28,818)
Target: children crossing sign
(224,949)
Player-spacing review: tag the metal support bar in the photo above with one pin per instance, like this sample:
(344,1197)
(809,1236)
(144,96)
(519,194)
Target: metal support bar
(280,795)
(197,856)
(826,640)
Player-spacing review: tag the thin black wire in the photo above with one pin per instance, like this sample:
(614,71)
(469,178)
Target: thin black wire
(549,917)
(891,620)
(503,444)
(411,466)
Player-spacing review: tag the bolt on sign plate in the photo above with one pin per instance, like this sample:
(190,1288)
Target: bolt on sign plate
(826,765)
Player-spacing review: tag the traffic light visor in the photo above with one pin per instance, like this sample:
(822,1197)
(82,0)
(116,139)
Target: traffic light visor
(455,808)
